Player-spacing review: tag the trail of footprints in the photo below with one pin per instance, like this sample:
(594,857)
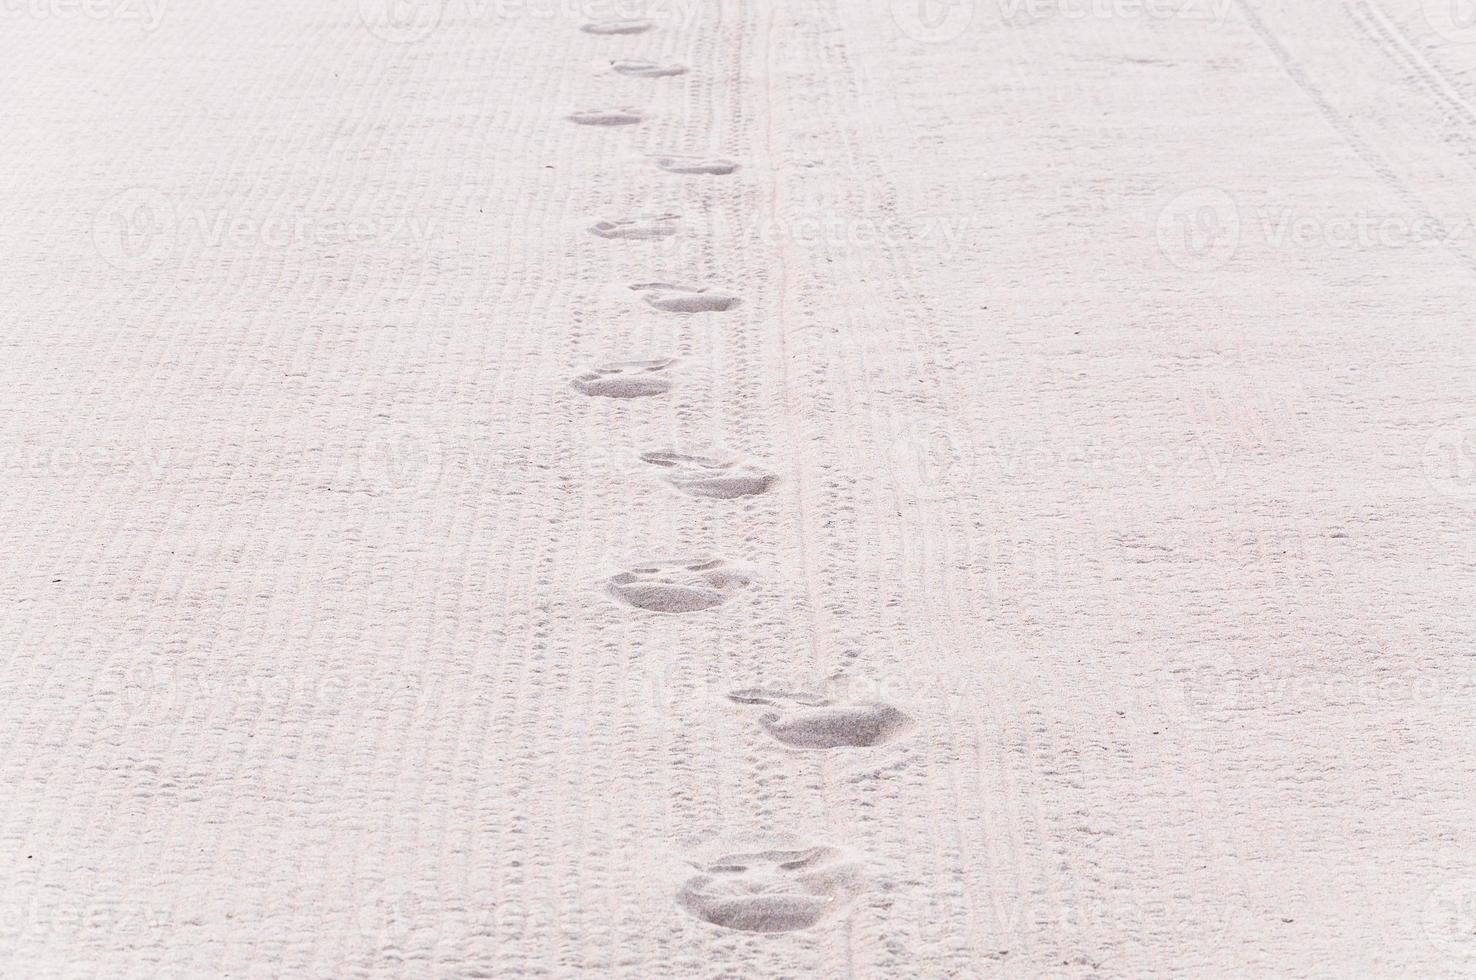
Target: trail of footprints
(605,117)
(619,25)
(689,165)
(706,476)
(771,891)
(678,585)
(685,299)
(625,379)
(639,227)
(647,69)
(812,722)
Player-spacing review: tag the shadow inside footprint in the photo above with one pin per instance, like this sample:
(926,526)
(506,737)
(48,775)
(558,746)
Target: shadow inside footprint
(617,25)
(684,299)
(818,723)
(708,166)
(677,586)
(703,476)
(772,891)
(605,117)
(625,379)
(647,69)
(656,226)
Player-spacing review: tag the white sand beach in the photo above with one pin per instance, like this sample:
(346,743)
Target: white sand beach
(737,488)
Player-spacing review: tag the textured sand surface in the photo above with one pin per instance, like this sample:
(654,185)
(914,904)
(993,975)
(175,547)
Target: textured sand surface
(737,488)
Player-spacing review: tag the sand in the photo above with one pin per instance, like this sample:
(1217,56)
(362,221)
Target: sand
(737,489)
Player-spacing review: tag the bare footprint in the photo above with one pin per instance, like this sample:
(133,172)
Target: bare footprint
(655,226)
(605,117)
(684,299)
(625,379)
(813,722)
(703,476)
(647,69)
(617,25)
(709,166)
(677,586)
(773,891)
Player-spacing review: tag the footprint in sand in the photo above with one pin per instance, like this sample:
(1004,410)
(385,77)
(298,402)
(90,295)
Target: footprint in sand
(625,379)
(709,166)
(814,722)
(678,586)
(605,117)
(642,228)
(773,891)
(684,299)
(618,25)
(703,476)
(647,69)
